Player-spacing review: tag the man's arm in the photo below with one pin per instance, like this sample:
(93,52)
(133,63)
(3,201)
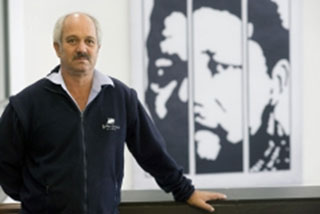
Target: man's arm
(11,153)
(148,147)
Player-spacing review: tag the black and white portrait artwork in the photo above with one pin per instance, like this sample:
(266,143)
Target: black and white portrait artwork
(217,80)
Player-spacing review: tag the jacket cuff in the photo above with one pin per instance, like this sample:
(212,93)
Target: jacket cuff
(184,192)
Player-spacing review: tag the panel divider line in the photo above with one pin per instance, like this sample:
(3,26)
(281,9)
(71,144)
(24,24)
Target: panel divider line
(192,160)
(245,85)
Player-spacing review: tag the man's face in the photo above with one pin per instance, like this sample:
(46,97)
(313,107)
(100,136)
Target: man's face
(79,46)
(218,92)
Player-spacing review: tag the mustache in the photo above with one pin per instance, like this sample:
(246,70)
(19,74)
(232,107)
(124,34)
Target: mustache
(80,55)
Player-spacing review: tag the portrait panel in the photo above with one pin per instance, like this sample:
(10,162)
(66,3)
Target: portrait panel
(218,82)
(166,95)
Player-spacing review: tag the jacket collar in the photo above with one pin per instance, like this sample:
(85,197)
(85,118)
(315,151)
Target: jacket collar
(99,79)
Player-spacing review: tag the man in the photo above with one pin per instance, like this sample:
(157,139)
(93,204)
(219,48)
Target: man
(217,84)
(62,138)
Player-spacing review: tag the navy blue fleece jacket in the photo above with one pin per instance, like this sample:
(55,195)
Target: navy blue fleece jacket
(56,159)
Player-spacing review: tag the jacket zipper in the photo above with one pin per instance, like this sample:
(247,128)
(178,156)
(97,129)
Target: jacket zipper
(84,148)
(85,172)
(47,189)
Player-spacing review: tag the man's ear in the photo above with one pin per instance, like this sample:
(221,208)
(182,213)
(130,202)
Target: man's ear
(280,79)
(57,48)
(280,83)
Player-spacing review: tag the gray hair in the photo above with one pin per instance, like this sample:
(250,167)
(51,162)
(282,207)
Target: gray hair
(57,31)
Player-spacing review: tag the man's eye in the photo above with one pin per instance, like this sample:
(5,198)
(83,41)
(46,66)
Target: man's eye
(212,64)
(90,42)
(163,62)
(71,41)
(215,66)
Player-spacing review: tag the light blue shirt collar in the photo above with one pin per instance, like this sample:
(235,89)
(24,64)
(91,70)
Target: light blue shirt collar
(99,80)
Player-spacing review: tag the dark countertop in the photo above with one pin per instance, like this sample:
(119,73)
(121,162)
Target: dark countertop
(233,194)
(279,200)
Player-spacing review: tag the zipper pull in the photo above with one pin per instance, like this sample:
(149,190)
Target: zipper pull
(47,189)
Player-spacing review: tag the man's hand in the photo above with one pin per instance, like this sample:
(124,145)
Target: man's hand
(199,199)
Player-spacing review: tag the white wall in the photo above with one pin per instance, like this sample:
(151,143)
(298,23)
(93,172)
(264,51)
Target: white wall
(2,79)
(311,89)
(34,40)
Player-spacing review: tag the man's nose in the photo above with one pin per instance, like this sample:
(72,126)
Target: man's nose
(183,91)
(82,47)
(202,89)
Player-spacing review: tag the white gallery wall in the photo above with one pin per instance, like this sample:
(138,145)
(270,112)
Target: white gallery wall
(311,88)
(32,56)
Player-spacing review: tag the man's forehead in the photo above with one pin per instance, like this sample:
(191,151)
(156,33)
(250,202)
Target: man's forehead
(214,30)
(79,23)
(175,34)
(74,17)
(220,32)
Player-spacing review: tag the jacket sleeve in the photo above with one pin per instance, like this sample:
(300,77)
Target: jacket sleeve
(148,147)
(11,152)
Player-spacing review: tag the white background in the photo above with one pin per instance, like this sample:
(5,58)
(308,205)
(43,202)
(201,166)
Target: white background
(2,88)
(32,56)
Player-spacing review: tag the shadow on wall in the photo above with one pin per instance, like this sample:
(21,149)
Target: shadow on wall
(2,195)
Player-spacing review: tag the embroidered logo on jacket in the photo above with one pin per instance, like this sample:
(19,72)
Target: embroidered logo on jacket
(109,125)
